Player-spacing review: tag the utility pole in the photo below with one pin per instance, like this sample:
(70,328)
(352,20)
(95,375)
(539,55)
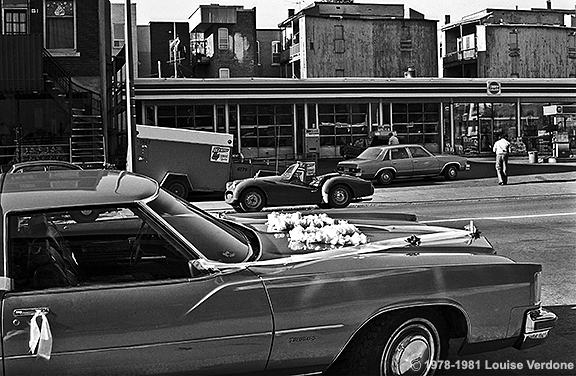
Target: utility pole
(129,89)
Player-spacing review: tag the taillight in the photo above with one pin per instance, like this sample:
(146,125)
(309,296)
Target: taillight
(537,289)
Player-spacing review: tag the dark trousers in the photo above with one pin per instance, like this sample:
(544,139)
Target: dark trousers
(502,168)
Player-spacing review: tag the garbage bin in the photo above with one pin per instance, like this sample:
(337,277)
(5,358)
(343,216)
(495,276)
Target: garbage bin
(532,157)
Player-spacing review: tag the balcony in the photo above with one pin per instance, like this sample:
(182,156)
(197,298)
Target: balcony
(458,56)
(295,52)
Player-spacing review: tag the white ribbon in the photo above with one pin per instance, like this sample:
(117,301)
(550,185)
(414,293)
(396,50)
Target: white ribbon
(40,338)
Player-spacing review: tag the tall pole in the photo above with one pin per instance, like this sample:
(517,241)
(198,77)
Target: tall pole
(130,118)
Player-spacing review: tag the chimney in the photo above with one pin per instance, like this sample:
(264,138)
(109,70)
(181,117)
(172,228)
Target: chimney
(446,19)
(290,13)
(548,4)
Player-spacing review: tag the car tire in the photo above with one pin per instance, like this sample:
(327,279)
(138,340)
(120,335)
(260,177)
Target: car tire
(178,187)
(451,173)
(339,196)
(252,200)
(84,216)
(385,177)
(385,346)
(237,208)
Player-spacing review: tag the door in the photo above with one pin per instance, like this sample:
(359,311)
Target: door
(486,134)
(402,162)
(423,162)
(147,315)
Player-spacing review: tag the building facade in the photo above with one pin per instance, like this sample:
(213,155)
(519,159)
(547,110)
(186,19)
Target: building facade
(358,40)
(54,80)
(537,43)
(287,118)
(224,42)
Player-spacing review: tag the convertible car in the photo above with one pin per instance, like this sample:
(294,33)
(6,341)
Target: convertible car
(298,185)
(156,286)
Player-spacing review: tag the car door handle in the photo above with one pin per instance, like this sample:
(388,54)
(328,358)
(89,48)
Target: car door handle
(23,312)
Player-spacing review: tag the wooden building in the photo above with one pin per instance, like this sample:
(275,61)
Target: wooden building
(537,43)
(358,40)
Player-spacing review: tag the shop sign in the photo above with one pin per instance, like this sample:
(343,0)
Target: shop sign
(493,87)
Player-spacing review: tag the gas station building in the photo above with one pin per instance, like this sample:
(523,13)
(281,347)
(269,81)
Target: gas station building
(300,118)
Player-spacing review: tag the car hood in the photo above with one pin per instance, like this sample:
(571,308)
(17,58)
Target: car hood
(390,233)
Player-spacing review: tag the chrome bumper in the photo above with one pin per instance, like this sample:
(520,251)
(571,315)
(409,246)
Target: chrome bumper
(536,328)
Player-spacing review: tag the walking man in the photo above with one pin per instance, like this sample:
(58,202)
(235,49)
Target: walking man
(502,149)
(392,140)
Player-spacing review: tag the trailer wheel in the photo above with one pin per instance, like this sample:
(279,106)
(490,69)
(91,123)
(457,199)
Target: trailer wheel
(178,186)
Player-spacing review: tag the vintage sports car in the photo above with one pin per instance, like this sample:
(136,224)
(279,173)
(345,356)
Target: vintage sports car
(156,286)
(387,163)
(298,185)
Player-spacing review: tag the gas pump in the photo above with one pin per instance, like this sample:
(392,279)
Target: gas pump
(564,118)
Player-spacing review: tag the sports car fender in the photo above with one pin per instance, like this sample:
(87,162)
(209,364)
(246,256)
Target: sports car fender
(329,183)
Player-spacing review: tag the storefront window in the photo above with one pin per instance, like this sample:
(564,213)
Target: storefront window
(341,124)
(267,127)
(534,128)
(417,123)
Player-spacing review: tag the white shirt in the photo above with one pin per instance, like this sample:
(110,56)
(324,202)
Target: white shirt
(502,146)
(393,140)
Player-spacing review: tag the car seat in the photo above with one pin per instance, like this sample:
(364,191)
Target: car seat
(46,265)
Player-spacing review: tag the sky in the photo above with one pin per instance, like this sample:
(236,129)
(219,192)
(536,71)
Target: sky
(269,13)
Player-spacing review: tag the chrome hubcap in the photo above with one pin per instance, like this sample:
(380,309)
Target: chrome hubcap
(340,196)
(253,200)
(410,351)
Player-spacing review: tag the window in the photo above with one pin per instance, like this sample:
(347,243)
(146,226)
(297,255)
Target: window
(339,39)
(15,21)
(224,73)
(50,249)
(399,154)
(276,52)
(118,35)
(223,39)
(419,152)
(60,21)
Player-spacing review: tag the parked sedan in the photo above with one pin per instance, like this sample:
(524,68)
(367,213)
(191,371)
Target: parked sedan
(298,185)
(387,163)
(156,286)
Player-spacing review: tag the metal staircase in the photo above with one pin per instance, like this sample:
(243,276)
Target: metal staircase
(87,144)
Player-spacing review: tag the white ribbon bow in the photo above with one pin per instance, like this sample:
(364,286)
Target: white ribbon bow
(40,338)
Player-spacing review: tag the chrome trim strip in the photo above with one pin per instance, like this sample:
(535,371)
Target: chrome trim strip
(299,330)
(145,346)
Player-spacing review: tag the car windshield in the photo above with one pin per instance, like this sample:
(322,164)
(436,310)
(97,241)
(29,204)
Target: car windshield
(215,239)
(287,175)
(371,153)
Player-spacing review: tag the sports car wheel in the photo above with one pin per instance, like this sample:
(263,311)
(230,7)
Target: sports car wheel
(340,196)
(451,173)
(385,177)
(252,200)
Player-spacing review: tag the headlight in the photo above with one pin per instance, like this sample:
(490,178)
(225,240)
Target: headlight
(537,289)
(230,185)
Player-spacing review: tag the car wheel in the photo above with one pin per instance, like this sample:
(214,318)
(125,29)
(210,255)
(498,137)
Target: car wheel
(451,173)
(403,344)
(252,200)
(385,177)
(178,187)
(84,216)
(340,196)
